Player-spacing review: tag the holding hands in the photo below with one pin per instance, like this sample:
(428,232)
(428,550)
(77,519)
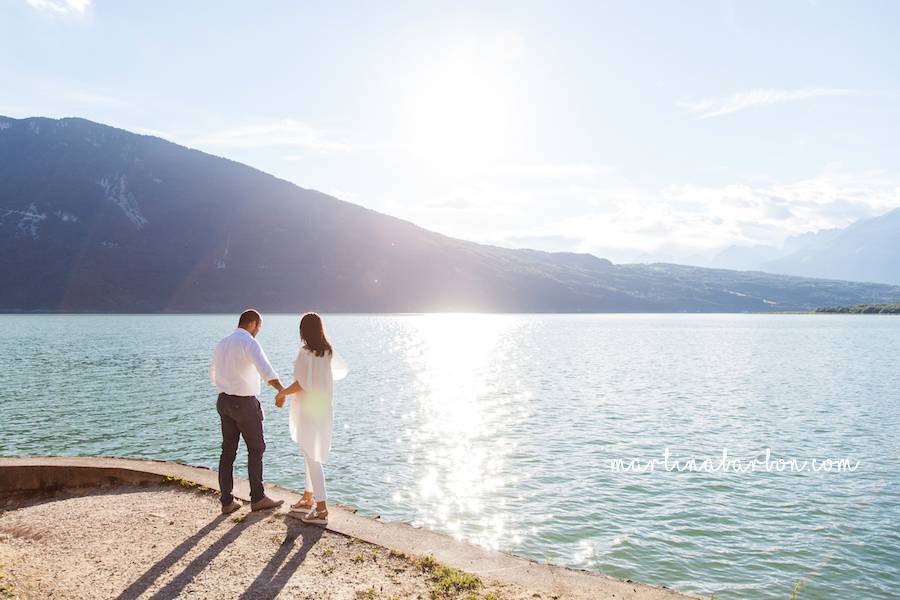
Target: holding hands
(279,397)
(284,392)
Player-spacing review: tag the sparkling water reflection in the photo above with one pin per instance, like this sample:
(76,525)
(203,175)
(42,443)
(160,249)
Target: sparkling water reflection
(458,430)
(498,429)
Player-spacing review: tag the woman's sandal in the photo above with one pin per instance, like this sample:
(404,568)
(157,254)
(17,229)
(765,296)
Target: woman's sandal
(316,517)
(300,506)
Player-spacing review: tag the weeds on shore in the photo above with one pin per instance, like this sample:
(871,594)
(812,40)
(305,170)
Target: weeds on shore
(451,581)
(426,563)
(7,590)
(190,485)
(447,582)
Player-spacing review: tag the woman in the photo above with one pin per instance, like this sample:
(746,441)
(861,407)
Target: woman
(317,366)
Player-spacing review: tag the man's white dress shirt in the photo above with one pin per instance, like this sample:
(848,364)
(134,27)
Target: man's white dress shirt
(238,363)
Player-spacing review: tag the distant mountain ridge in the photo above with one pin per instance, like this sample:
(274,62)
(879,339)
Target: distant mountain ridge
(95,218)
(867,250)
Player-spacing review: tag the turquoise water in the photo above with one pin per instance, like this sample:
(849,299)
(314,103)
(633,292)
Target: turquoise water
(501,430)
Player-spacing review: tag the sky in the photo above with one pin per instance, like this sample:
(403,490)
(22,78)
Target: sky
(631,130)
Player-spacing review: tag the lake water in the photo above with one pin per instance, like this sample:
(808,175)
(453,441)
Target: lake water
(502,429)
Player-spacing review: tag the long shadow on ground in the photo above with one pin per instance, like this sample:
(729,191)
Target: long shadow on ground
(200,562)
(278,570)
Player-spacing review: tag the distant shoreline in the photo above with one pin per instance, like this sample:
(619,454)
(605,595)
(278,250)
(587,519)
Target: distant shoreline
(862,309)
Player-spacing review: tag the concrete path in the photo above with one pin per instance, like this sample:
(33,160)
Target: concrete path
(33,474)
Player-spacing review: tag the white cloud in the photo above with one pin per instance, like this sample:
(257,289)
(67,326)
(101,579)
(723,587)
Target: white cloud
(716,107)
(592,209)
(284,132)
(61,6)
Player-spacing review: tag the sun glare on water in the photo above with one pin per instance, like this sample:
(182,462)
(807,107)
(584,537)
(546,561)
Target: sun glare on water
(458,427)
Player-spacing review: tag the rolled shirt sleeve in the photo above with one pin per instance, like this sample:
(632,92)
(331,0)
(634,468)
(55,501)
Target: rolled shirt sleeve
(258,356)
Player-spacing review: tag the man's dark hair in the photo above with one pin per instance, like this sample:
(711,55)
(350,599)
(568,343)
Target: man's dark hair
(249,316)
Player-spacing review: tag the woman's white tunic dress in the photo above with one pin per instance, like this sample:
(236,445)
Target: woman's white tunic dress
(312,412)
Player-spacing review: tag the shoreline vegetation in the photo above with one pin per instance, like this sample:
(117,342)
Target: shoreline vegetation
(862,309)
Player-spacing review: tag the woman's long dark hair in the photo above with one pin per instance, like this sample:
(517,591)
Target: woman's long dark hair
(312,333)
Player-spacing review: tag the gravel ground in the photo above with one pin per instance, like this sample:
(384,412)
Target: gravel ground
(167,542)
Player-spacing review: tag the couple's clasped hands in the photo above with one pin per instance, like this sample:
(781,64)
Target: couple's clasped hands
(284,392)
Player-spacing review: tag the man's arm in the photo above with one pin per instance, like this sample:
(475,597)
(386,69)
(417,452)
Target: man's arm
(263,366)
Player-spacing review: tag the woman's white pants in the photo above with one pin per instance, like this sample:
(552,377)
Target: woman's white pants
(315,478)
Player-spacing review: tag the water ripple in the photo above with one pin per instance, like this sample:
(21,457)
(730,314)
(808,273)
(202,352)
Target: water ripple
(499,429)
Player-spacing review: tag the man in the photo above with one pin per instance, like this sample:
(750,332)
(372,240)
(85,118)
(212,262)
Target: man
(237,365)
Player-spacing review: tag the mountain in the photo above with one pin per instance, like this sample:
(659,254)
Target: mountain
(868,250)
(94,218)
(809,241)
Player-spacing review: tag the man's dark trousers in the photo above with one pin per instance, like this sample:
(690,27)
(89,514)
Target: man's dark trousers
(241,416)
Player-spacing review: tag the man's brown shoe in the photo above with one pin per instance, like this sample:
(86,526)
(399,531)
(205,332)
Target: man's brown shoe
(230,508)
(265,503)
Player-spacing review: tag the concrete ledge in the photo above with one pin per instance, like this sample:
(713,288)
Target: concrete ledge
(33,475)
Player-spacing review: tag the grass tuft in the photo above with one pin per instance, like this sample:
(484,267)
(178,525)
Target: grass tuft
(427,563)
(451,582)
(7,590)
(447,581)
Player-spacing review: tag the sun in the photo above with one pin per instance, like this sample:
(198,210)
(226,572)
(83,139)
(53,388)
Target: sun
(460,106)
